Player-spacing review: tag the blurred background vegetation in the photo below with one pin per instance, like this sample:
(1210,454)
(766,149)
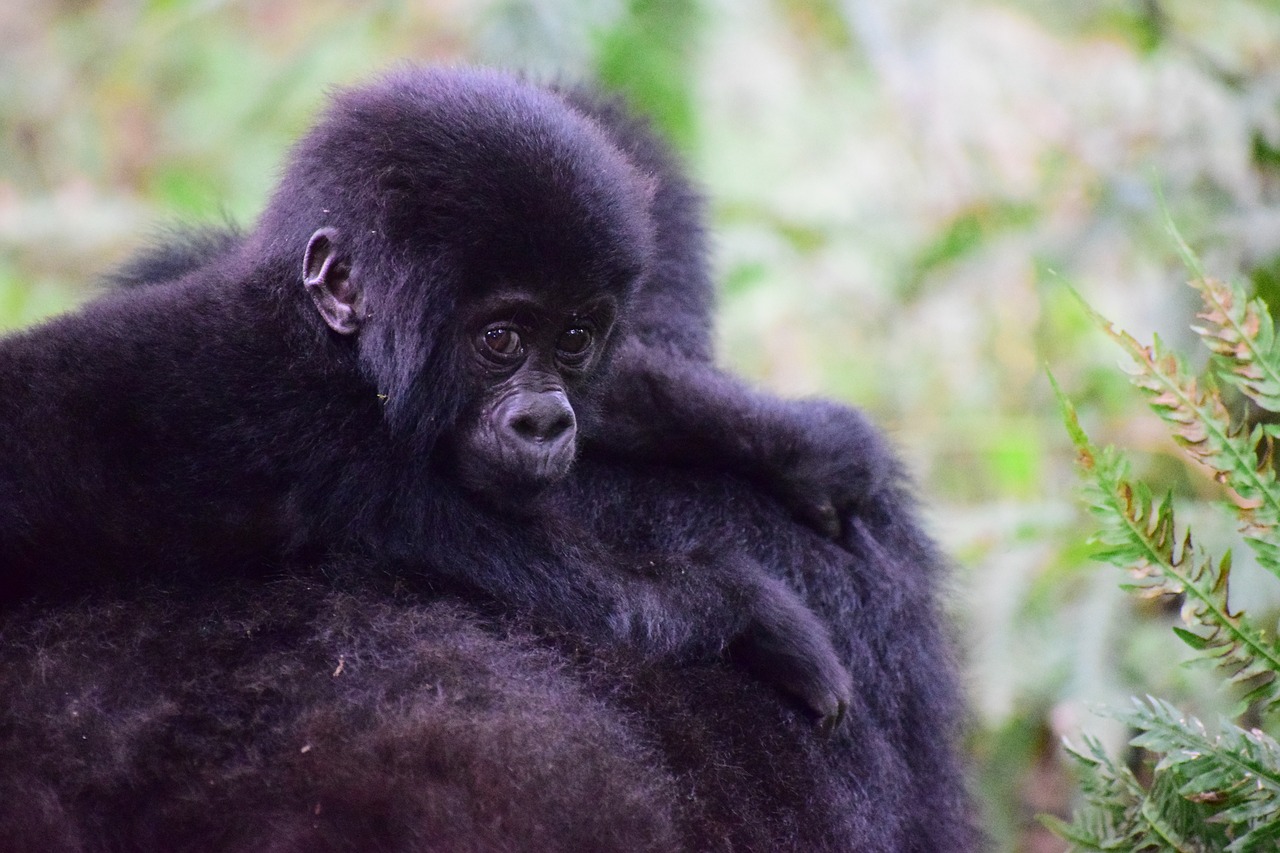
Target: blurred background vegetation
(901,192)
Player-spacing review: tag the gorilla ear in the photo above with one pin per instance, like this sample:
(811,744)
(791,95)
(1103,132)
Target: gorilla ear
(326,273)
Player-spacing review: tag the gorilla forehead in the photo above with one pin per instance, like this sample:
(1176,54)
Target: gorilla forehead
(496,174)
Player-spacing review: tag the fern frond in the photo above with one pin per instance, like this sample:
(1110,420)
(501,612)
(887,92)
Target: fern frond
(1110,815)
(1240,333)
(1235,774)
(1239,459)
(1207,792)
(1118,814)
(1138,532)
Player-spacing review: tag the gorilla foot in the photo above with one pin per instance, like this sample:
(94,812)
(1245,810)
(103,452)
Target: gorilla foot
(787,646)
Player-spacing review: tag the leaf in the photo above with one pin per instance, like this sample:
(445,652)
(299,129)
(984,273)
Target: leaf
(1238,330)
(1194,410)
(1207,792)
(1236,773)
(1139,533)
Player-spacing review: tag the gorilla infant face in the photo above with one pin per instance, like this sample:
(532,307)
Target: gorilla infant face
(530,359)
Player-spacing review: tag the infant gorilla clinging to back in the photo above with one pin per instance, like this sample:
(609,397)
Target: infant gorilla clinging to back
(462,365)
(401,361)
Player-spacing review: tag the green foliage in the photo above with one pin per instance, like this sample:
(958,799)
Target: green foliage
(1202,792)
(965,234)
(1207,792)
(647,56)
(1122,814)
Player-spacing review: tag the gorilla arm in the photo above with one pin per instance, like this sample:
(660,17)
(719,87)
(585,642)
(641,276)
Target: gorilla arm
(823,460)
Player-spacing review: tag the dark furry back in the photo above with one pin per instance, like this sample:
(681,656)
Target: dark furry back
(344,714)
(891,778)
(303,719)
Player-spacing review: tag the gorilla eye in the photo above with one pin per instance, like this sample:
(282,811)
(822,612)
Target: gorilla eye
(502,341)
(574,341)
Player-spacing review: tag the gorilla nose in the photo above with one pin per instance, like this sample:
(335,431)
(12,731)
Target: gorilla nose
(543,419)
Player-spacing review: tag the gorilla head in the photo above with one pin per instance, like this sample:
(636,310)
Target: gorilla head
(507,232)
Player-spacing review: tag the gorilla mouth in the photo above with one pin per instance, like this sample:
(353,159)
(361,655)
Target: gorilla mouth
(510,474)
(536,466)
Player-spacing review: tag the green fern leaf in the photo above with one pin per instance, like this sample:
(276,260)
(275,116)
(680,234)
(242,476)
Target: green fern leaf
(1238,459)
(1138,533)
(1110,815)
(1207,792)
(1080,835)
(1117,813)
(1240,333)
(1235,774)
(1238,330)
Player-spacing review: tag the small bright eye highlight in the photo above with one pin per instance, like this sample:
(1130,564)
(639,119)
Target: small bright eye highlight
(502,341)
(574,341)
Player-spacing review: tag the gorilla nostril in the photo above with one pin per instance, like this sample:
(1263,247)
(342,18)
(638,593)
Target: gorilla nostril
(560,424)
(543,420)
(525,426)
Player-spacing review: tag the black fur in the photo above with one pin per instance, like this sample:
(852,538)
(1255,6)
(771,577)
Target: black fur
(454,729)
(353,714)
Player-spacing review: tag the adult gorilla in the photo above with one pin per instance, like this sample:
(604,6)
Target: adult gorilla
(356,712)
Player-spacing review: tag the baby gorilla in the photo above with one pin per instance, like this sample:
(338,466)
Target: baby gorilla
(397,362)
